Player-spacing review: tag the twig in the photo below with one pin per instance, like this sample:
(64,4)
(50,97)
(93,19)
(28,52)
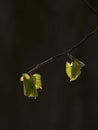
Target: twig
(90,7)
(38,66)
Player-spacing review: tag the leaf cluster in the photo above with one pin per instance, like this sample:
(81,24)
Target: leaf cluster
(32,82)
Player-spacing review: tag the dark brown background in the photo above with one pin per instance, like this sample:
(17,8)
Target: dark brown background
(30,32)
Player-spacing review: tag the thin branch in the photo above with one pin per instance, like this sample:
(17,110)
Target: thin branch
(52,59)
(90,7)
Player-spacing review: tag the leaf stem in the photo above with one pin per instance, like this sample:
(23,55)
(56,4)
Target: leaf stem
(54,58)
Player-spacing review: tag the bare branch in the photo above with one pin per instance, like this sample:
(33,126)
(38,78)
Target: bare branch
(94,11)
(52,59)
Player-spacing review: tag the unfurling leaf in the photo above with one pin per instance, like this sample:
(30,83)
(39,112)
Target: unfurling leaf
(73,69)
(37,79)
(31,84)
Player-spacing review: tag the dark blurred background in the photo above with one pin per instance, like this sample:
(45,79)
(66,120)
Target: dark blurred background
(30,32)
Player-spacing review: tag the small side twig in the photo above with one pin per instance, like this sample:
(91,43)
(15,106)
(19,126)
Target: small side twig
(94,11)
(52,59)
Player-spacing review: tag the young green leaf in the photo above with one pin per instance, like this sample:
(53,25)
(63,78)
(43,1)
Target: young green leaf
(73,69)
(31,84)
(37,79)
